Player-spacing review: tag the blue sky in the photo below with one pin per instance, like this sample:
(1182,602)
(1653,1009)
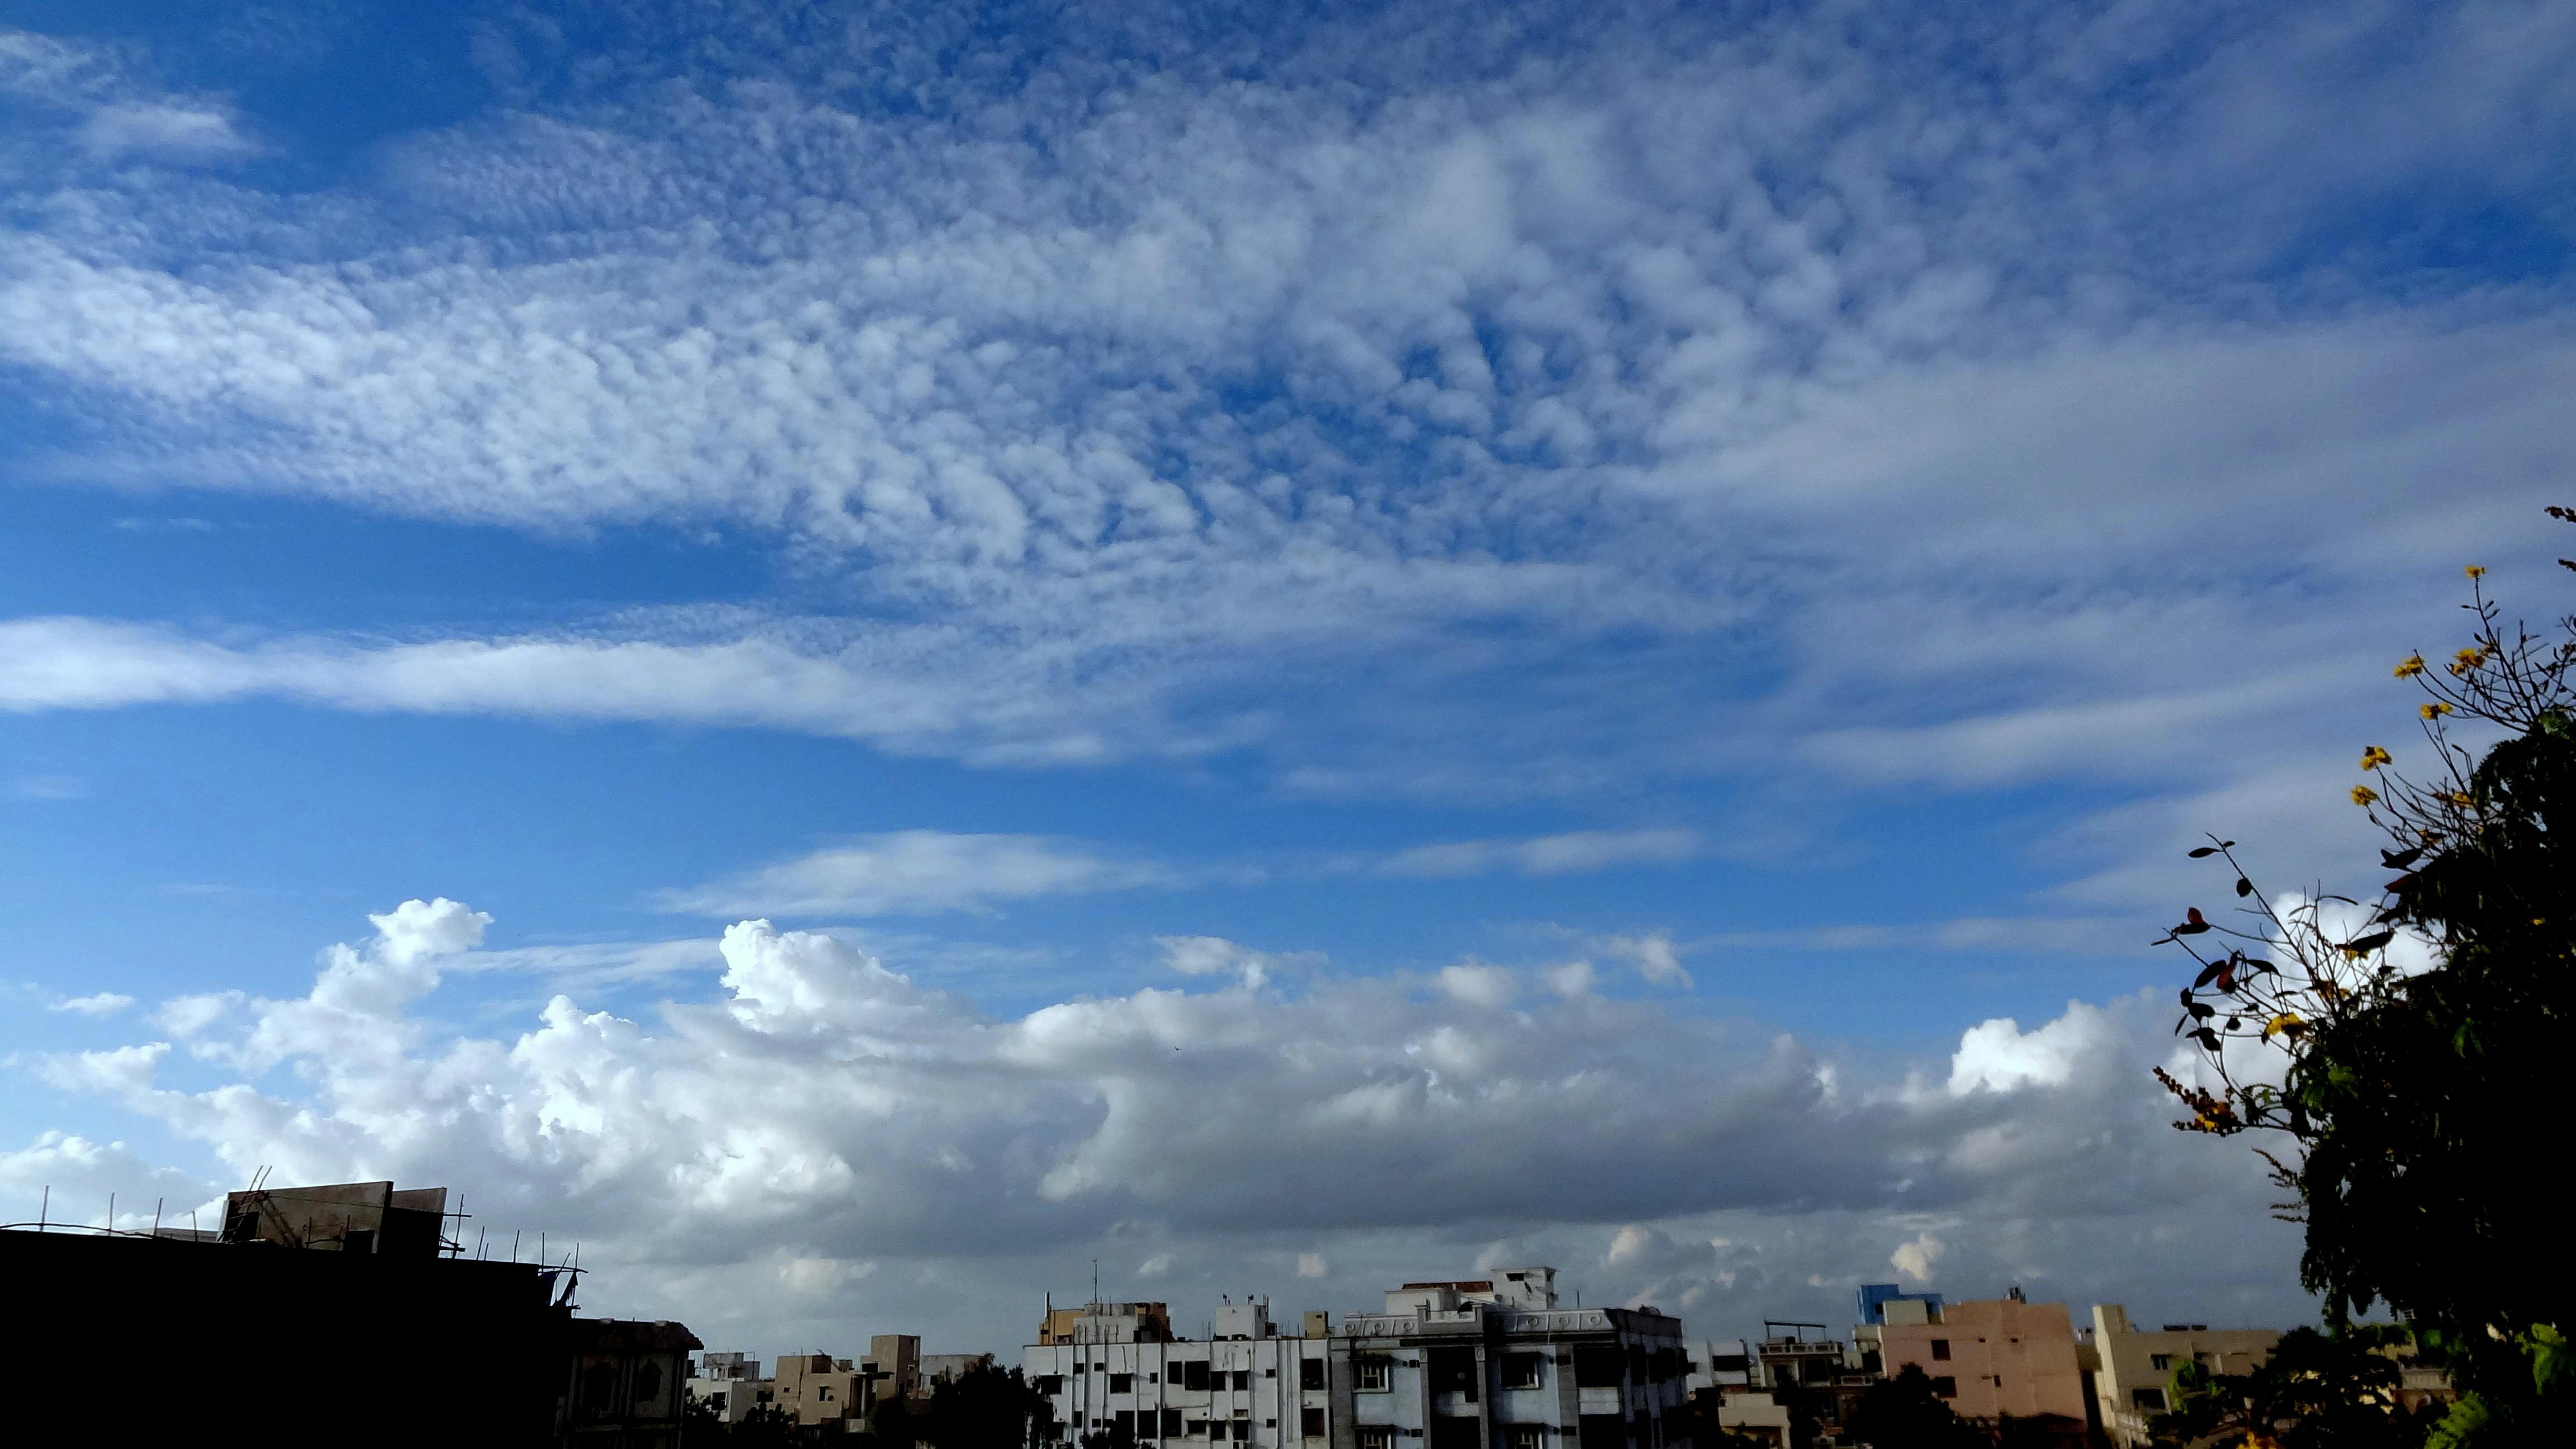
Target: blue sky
(1602,628)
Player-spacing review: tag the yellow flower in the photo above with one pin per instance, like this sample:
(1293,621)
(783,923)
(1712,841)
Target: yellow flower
(2286,1024)
(2410,666)
(2475,572)
(2461,799)
(2364,796)
(2434,710)
(2467,659)
(2374,757)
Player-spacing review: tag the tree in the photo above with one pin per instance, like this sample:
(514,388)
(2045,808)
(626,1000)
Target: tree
(2412,1051)
(2318,1390)
(982,1408)
(1904,1413)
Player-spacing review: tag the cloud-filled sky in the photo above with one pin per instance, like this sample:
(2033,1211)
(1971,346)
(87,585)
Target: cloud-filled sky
(909,646)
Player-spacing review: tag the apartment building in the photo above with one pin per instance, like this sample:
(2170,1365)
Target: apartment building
(730,1383)
(1496,1363)
(2136,1364)
(818,1391)
(1991,1358)
(1113,1368)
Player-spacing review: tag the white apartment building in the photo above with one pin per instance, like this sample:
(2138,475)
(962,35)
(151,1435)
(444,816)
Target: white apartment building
(1244,1385)
(731,1382)
(1495,1363)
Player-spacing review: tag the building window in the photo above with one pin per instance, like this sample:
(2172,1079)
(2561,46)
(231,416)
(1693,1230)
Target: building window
(1376,1436)
(824,1393)
(1372,1378)
(1598,1365)
(1941,1349)
(1270,1373)
(1243,1379)
(1310,1423)
(2151,1400)
(1171,1423)
(1946,1387)
(1521,1370)
(1528,1436)
(648,1382)
(1310,1373)
(1243,1431)
(1194,1374)
(1122,1383)
(2160,1362)
(1198,1428)
(1050,1384)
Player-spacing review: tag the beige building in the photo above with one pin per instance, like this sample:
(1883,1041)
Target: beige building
(1106,1323)
(818,1391)
(2135,1364)
(1755,1412)
(1991,1358)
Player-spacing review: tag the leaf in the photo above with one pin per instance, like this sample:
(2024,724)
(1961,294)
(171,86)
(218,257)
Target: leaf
(2244,887)
(2257,963)
(2207,1038)
(2192,924)
(2371,942)
(2400,859)
(2234,1022)
(2399,884)
(2206,850)
(2201,1012)
(2208,974)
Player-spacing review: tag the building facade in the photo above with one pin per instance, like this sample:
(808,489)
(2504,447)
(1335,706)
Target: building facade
(1117,1371)
(730,1384)
(1991,1359)
(2136,1364)
(1496,1363)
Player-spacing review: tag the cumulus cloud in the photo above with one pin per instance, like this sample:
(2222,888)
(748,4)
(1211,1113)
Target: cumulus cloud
(1914,1259)
(826,1107)
(1312,1265)
(915,872)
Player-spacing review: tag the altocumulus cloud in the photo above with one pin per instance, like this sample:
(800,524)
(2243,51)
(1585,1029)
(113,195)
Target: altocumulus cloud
(1687,363)
(822,1115)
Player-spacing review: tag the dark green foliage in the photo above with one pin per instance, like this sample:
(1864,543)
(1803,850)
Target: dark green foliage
(983,1408)
(1904,1413)
(2317,1391)
(2423,1105)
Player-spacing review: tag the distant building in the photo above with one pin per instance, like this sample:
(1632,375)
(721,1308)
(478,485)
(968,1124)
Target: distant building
(1992,1359)
(2137,1363)
(1874,1297)
(818,1391)
(1797,1363)
(1495,1363)
(943,1368)
(1106,1323)
(1244,1384)
(730,1384)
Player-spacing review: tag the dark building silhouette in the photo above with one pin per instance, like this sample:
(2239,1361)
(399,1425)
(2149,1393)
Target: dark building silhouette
(323,1314)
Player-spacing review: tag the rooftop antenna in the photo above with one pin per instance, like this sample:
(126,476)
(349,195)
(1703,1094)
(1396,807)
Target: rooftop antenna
(111,1212)
(44,1207)
(1095,1282)
(478,1243)
(514,1245)
(156,1215)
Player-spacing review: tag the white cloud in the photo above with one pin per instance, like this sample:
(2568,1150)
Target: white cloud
(1312,1265)
(1579,851)
(1997,1055)
(1914,1259)
(920,872)
(104,1003)
(1491,987)
(828,1109)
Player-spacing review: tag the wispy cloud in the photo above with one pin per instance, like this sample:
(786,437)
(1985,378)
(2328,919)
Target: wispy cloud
(103,1003)
(918,872)
(1572,853)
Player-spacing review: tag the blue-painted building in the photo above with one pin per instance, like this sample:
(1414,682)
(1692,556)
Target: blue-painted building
(1874,1298)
